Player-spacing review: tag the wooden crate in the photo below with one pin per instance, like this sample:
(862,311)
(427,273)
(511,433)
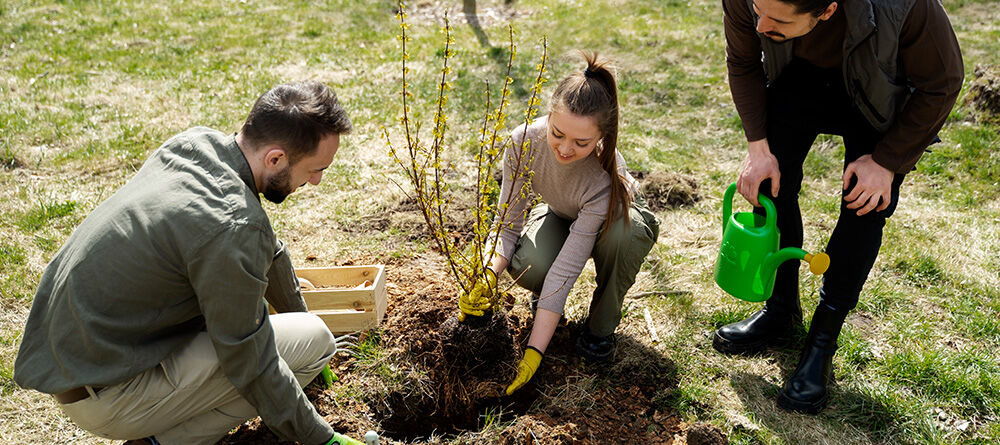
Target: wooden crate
(355,302)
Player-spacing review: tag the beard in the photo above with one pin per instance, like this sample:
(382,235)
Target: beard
(278,187)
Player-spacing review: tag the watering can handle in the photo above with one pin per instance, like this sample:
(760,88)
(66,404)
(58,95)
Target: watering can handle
(727,205)
(771,220)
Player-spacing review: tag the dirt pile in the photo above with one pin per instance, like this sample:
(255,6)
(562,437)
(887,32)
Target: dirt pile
(705,434)
(665,190)
(984,93)
(463,367)
(456,368)
(430,375)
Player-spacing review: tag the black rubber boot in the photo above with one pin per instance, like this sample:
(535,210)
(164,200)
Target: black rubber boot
(780,317)
(594,348)
(806,389)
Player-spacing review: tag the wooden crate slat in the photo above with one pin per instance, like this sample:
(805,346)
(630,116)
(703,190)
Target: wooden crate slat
(381,301)
(347,321)
(341,299)
(339,276)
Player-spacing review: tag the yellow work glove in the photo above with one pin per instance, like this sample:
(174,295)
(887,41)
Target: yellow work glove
(525,369)
(477,300)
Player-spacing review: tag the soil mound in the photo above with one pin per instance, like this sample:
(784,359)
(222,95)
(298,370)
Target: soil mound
(665,190)
(984,93)
(429,375)
(705,434)
(458,367)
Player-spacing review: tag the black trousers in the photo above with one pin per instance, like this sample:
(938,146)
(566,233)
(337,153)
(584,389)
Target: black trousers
(803,103)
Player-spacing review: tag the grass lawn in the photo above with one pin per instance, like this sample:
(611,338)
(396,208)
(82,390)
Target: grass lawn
(89,88)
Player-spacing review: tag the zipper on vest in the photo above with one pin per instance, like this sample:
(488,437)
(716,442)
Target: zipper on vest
(864,98)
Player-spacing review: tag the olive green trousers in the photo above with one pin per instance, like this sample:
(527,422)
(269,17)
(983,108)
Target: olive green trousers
(618,256)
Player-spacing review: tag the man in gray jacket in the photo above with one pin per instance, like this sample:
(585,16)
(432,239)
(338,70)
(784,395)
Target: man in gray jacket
(883,74)
(151,321)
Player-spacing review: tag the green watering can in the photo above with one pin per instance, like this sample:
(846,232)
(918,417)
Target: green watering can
(749,255)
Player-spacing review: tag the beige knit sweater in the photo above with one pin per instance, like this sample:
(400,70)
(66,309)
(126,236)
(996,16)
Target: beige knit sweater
(579,192)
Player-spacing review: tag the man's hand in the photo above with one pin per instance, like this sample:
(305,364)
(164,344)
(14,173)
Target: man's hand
(759,165)
(525,369)
(479,298)
(874,185)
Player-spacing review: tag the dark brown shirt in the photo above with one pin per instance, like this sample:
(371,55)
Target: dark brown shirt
(928,53)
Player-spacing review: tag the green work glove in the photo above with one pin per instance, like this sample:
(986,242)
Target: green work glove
(525,369)
(328,376)
(340,439)
(476,301)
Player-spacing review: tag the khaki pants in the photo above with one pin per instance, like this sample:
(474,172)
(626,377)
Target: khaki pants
(187,398)
(617,258)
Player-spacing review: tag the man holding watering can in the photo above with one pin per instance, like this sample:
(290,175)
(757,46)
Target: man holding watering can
(884,74)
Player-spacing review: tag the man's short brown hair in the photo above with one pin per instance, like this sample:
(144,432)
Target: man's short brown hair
(295,116)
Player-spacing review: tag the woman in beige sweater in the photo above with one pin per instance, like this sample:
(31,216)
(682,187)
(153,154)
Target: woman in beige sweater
(581,178)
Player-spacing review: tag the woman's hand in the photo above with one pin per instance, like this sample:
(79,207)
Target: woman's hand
(542,329)
(480,298)
(525,369)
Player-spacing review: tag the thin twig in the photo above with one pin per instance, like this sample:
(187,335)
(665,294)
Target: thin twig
(666,293)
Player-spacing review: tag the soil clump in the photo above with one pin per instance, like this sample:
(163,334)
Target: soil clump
(705,434)
(665,190)
(984,93)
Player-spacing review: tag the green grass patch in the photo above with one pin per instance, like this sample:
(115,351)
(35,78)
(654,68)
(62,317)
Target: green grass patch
(968,381)
(854,349)
(966,167)
(884,413)
(921,271)
(40,215)
(11,255)
(7,384)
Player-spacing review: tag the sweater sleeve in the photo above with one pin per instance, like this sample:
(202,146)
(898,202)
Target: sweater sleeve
(747,81)
(228,274)
(932,61)
(513,200)
(575,251)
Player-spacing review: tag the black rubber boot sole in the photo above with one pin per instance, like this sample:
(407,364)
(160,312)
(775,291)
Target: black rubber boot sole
(729,347)
(800,406)
(805,406)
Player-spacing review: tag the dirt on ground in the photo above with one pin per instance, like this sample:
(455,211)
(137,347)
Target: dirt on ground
(984,93)
(434,377)
(666,190)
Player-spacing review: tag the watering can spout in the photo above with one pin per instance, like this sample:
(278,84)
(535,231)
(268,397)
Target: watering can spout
(773,260)
(818,262)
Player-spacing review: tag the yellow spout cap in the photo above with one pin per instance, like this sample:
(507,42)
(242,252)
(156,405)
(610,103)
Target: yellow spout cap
(818,263)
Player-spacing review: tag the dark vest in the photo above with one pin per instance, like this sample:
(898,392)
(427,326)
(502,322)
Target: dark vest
(872,73)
